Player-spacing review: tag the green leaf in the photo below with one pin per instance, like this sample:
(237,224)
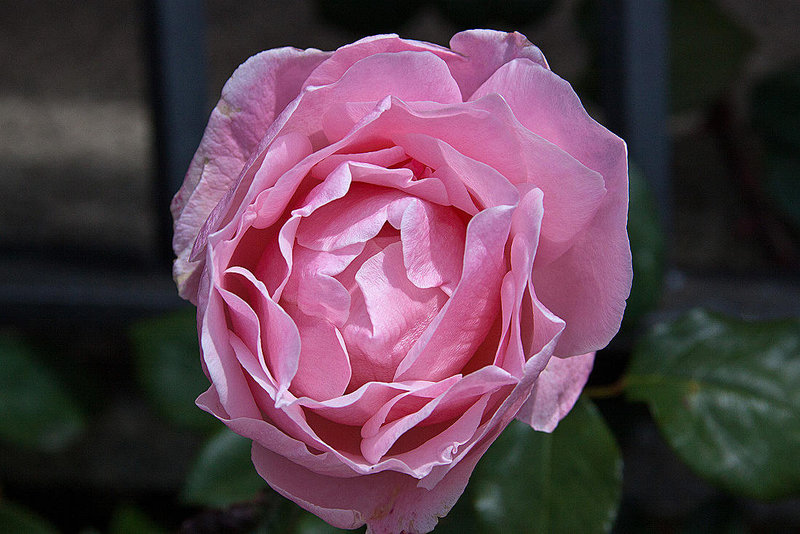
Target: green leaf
(311,524)
(726,395)
(707,52)
(223,473)
(169,369)
(128,519)
(647,248)
(15,519)
(35,410)
(568,481)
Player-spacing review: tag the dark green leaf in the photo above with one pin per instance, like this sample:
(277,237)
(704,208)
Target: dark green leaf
(726,395)
(568,481)
(707,52)
(35,410)
(223,473)
(647,248)
(130,520)
(311,524)
(18,520)
(168,364)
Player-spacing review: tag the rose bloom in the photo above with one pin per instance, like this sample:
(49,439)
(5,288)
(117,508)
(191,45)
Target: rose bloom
(395,249)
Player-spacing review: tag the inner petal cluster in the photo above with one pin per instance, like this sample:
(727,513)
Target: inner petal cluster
(370,267)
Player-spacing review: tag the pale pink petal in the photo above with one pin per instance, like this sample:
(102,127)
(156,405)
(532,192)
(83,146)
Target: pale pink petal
(356,407)
(284,153)
(385,157)
(344,58)
(255,94)
(324,297)
(433,245)
(324,370)
(450,340)
(587,285)
(280,339)
(572,194)
(413,401)
(525,227)
(307,266)
(387,502)
(246,342)
(483,52)
(483,382)
(397,311)
(487,185)
(220,361)
(409,76)
(429,188)
(427,451)
(357,217)
(413,425)
(556,391)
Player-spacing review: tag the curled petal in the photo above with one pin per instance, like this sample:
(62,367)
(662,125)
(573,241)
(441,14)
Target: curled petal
(556,391)
(251,100)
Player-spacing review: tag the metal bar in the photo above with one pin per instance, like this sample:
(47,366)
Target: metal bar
(176,35)
(635,76)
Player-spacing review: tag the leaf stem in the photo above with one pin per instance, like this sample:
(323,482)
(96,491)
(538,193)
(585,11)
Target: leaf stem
(607,391)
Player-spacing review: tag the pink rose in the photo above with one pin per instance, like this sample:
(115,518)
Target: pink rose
(395,249)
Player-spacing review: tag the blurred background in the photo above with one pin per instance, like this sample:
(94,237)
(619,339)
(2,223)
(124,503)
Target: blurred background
(98,362)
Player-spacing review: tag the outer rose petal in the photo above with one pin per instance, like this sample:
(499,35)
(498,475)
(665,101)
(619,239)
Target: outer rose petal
(484,52)
(588,285)
(556,391)
(343,58)
(255,94)
(388,502)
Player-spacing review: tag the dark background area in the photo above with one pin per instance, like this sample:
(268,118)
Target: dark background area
(80,243)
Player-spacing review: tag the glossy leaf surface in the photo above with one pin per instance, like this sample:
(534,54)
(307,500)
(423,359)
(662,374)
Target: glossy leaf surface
(568,481)
(726,395)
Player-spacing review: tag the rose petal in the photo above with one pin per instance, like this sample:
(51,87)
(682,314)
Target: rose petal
(424,77)
(556,391)
(345,57)
(483,52)
(388,502)
(449,341)
(395,313)
(433,245)
(251,99)
(356,407)
(588,285)
(279,337)
(487,185)
(355,218)
(384,158)
(221,364)
(323,371)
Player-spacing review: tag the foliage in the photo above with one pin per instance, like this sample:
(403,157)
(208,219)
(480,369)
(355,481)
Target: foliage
(726,395)
(567,481)
(35,408)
